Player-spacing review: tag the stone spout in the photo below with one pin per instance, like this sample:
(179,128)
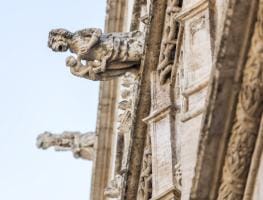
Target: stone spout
(99,56)
(81,145)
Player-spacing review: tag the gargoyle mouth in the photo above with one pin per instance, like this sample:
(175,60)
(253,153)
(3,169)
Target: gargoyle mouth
(40,145)
(60,47)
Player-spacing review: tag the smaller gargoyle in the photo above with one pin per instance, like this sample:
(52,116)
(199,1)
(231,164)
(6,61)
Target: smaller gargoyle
(99,56)
(82,145)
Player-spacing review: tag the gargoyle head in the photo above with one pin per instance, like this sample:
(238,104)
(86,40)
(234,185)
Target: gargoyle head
(60,142)
(45,140)
(58,39)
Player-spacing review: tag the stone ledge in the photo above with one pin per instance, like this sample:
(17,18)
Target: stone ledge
(169,194)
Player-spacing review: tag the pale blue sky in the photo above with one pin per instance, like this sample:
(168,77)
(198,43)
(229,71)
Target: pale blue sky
(38,93)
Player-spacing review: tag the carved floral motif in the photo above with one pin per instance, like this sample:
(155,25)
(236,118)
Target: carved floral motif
(82,145)
(247,119)
(105,55)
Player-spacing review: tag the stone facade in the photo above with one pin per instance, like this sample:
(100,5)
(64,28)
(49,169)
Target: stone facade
(181,99)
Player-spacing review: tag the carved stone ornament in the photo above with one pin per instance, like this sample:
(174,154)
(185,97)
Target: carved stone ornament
(178,176)
(113,190)
(145,183)
(247,119)
(82,145)
(169,41)
(105,55)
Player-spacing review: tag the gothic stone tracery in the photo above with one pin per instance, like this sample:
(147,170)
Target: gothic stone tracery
(106,55)
(82,145)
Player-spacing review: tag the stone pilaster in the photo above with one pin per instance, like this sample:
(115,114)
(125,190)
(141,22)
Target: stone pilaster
(161,128)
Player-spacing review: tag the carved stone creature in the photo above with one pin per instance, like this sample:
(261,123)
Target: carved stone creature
(82,145)
(168,46)
(178,176)
(145,183)
(113,191)
(124,119)
(106,55)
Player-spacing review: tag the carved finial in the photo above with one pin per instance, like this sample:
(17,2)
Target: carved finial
(82,145)
(98,56)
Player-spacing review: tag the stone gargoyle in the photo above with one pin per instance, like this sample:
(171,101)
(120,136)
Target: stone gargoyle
(99,56)
(82,145)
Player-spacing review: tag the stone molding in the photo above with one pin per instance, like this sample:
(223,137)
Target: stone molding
(191,10)
(187,115)
(245,128)
(254,167)
(106,109)
(170,193)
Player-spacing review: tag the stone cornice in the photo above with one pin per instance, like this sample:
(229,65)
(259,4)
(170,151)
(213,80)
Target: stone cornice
(192,10)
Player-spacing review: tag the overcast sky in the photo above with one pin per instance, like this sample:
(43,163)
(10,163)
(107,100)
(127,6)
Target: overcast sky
(38,93)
